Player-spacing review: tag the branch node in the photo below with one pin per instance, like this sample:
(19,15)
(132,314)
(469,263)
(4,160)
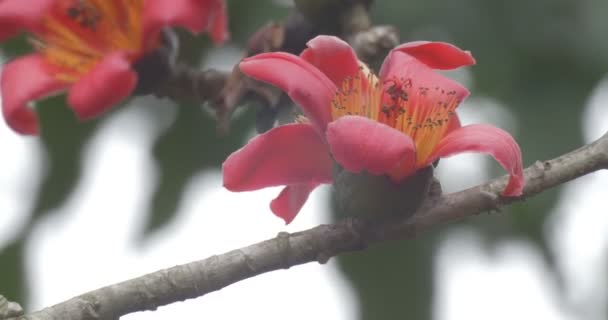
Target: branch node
(489,195)
(9,310)
(249,262)
(539,169)
(323,257)
(193,275)
(493,200)
(284,246)
(90,306)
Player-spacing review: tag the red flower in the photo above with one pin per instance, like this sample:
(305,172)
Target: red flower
(87,47)
(391,126)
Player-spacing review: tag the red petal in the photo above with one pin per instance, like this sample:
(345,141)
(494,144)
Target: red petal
(334,57)
(405,68)
(194,15)
(437,55)
(291,199)
(453,124)
(304,83)
(286,155)
(218,23)
(16,15)
(108,83)
(23,80)
(489,140)
(358,143)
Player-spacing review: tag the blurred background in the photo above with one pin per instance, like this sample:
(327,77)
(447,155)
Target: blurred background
(89,204)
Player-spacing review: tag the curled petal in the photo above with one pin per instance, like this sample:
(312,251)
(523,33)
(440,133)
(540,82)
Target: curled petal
(26,79)
(286,155)
(17,15)
(333,56)
(358,143)
(437,55)
(291,199)
(194,15)
(304,83)
(489,140)
(108,83)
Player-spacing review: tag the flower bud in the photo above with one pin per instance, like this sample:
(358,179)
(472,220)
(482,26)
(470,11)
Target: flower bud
(373,197)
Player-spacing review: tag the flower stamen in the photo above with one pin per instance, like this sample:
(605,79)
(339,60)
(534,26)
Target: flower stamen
(421,112)
(77,34)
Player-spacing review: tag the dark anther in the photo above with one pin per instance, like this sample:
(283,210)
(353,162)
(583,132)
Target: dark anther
(74,12)
(86,16)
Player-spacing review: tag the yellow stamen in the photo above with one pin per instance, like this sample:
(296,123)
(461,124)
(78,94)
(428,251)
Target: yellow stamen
(422,113)
(79,33)
(358,95)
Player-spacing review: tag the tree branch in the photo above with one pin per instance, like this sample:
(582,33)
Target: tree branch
(317,244)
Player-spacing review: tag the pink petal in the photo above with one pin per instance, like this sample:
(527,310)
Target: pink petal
(358,143)
(194,15)
(291,199)
(218,23)
(453,124)
(108,83)
(437,55)
(304,83)
(17,15)
(489,140)
(419,76)
(286,155)
(26,79)
(333,56)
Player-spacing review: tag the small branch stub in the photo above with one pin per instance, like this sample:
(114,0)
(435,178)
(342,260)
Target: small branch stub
(9,310)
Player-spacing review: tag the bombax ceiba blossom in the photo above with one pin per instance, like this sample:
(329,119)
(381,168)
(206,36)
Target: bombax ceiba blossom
(395,124)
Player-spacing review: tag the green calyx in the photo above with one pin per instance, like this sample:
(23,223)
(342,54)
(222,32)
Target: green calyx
(378,198)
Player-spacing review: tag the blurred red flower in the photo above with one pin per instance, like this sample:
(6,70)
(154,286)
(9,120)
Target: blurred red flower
(88,47)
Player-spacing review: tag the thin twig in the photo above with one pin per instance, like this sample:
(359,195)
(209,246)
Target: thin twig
(198,278)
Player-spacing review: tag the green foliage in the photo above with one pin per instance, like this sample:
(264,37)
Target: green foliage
(378,197)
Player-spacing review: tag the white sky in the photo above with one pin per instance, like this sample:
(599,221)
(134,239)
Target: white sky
(72,252)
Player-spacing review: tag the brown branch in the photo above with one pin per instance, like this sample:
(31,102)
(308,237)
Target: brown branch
(226,91)
(9,309)
(317,244)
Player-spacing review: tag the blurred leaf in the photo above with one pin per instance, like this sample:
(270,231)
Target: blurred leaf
(190,146)
(64,138)
(12,275)
(393,280)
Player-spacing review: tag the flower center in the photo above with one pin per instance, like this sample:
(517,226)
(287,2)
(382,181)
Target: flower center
(420,111)
(79,33)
